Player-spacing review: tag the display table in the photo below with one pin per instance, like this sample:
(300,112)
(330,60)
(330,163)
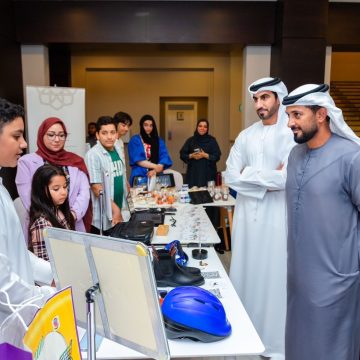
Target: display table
(243,341)
(230,203)
(176,232)
(189,224)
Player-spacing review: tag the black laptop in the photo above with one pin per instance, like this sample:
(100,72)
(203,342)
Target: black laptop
(156,215)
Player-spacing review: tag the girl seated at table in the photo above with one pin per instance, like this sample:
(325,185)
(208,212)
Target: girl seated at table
(49,206)
(148,154)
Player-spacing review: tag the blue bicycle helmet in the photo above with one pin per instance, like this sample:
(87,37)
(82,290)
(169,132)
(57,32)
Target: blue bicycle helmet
(194,313)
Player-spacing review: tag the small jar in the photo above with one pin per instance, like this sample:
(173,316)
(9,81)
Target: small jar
(182,196)
(225,193)
(217,194)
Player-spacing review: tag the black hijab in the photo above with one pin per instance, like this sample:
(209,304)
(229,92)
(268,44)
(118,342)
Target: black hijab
(151,139)
(201,140)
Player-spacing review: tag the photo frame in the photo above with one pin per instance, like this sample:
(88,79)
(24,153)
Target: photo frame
(180,116)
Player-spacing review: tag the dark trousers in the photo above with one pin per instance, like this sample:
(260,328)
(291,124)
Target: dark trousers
(96,231)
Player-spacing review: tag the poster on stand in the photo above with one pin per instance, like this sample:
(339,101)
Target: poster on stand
(52,333)
(67,104)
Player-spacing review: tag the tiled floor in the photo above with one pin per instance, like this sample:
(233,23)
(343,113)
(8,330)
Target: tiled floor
(225,259)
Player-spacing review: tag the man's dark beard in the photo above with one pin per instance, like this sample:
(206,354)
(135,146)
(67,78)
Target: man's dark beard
(262,117)
(306,136)
(269,113)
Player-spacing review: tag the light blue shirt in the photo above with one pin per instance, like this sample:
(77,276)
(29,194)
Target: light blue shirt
(100,167)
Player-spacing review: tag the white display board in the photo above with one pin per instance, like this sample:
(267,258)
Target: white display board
(68,104)
(127,306)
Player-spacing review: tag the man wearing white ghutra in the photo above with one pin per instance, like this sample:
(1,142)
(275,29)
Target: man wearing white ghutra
(323,202)
(256,169)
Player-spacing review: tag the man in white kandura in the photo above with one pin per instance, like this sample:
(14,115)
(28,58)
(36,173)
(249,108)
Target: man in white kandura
(256,170)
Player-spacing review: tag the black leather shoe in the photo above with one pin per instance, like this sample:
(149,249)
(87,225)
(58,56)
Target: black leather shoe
(169,273)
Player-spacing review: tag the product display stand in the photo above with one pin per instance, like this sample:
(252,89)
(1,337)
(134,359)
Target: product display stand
(200,253)
(91,330)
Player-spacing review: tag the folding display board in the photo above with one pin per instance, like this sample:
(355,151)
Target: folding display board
(128,309)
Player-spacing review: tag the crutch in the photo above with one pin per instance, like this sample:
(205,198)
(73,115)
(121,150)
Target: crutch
(101,198)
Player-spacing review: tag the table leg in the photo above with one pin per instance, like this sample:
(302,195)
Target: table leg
(230,217)
(223,225)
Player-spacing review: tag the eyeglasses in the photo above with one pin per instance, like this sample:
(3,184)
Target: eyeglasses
(52,136)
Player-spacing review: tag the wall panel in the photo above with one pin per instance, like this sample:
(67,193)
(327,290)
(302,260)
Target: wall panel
(205,22)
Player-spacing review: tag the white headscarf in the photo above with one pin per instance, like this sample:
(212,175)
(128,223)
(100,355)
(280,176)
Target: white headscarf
(313,94)
(275,85)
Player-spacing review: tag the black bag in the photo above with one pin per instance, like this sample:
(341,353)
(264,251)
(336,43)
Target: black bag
(135,230)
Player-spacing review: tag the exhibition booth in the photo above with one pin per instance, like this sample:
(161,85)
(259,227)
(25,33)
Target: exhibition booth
(121,301)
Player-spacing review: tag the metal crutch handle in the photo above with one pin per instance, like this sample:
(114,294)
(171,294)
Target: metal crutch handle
(101,198)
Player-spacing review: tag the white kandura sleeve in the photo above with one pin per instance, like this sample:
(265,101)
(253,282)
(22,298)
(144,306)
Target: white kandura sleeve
(17,289)
(41,269)
(269,179)
(233,174)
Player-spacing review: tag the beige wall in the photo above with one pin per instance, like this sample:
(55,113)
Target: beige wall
(345,66)
(135,82)
(35,65)
(236,94)
(256,65)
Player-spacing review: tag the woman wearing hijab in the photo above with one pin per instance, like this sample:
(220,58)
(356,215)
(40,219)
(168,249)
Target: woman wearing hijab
(51,139)
(200,152)
(147,151)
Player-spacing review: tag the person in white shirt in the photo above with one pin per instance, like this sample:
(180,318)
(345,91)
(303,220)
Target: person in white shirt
(256,170)
(18,267)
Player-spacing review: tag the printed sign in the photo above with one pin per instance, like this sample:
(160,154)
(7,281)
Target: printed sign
(52,335)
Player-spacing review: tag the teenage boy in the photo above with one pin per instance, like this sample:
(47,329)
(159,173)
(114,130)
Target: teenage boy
(123,122)
(18,267)
(106,165)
